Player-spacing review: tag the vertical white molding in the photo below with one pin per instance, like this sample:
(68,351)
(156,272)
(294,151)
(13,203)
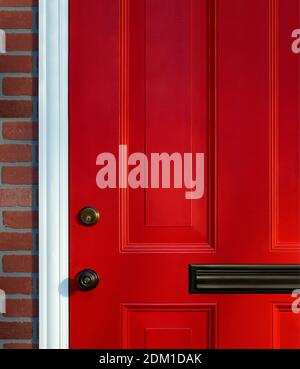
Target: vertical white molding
(53,174)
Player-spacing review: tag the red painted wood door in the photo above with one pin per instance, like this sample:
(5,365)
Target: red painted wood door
(211,76)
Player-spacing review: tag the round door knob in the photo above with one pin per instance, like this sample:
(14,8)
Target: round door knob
(87,280)
(89,215)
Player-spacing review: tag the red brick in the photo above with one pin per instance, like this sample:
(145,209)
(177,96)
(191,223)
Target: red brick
(15,63)
(21,42)
(18,2)
(20,131)
(20,175)
(20,86)
(16,197)
(20,263)
(21,308)
(15,153)
(15,108)
(16,19)
(13,285)
(14,330)
(20,346)
(15,241)
(20,219)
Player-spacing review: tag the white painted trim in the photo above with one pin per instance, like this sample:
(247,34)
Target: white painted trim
(53,174)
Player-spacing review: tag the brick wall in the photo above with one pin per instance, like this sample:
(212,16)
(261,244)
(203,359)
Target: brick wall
(18,167)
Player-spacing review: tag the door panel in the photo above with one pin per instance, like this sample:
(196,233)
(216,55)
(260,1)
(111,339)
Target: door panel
(166,88)
(285,327)
(203,76)
(286,133)
(169,325)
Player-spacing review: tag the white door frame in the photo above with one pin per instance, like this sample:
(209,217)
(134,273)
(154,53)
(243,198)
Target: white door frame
(53,174)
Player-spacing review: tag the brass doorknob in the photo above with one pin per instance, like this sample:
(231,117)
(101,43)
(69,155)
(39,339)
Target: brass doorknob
(89,215)
(87,280)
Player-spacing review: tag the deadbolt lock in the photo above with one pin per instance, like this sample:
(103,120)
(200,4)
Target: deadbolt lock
(89,216)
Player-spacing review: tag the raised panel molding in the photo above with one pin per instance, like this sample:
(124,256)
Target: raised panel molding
(278,244)
(286,334)
(148,240)
(169,326)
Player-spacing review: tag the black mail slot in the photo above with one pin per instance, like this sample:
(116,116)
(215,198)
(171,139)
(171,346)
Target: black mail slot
(243,278)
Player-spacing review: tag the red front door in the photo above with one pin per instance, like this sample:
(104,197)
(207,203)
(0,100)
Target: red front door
(186,76)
